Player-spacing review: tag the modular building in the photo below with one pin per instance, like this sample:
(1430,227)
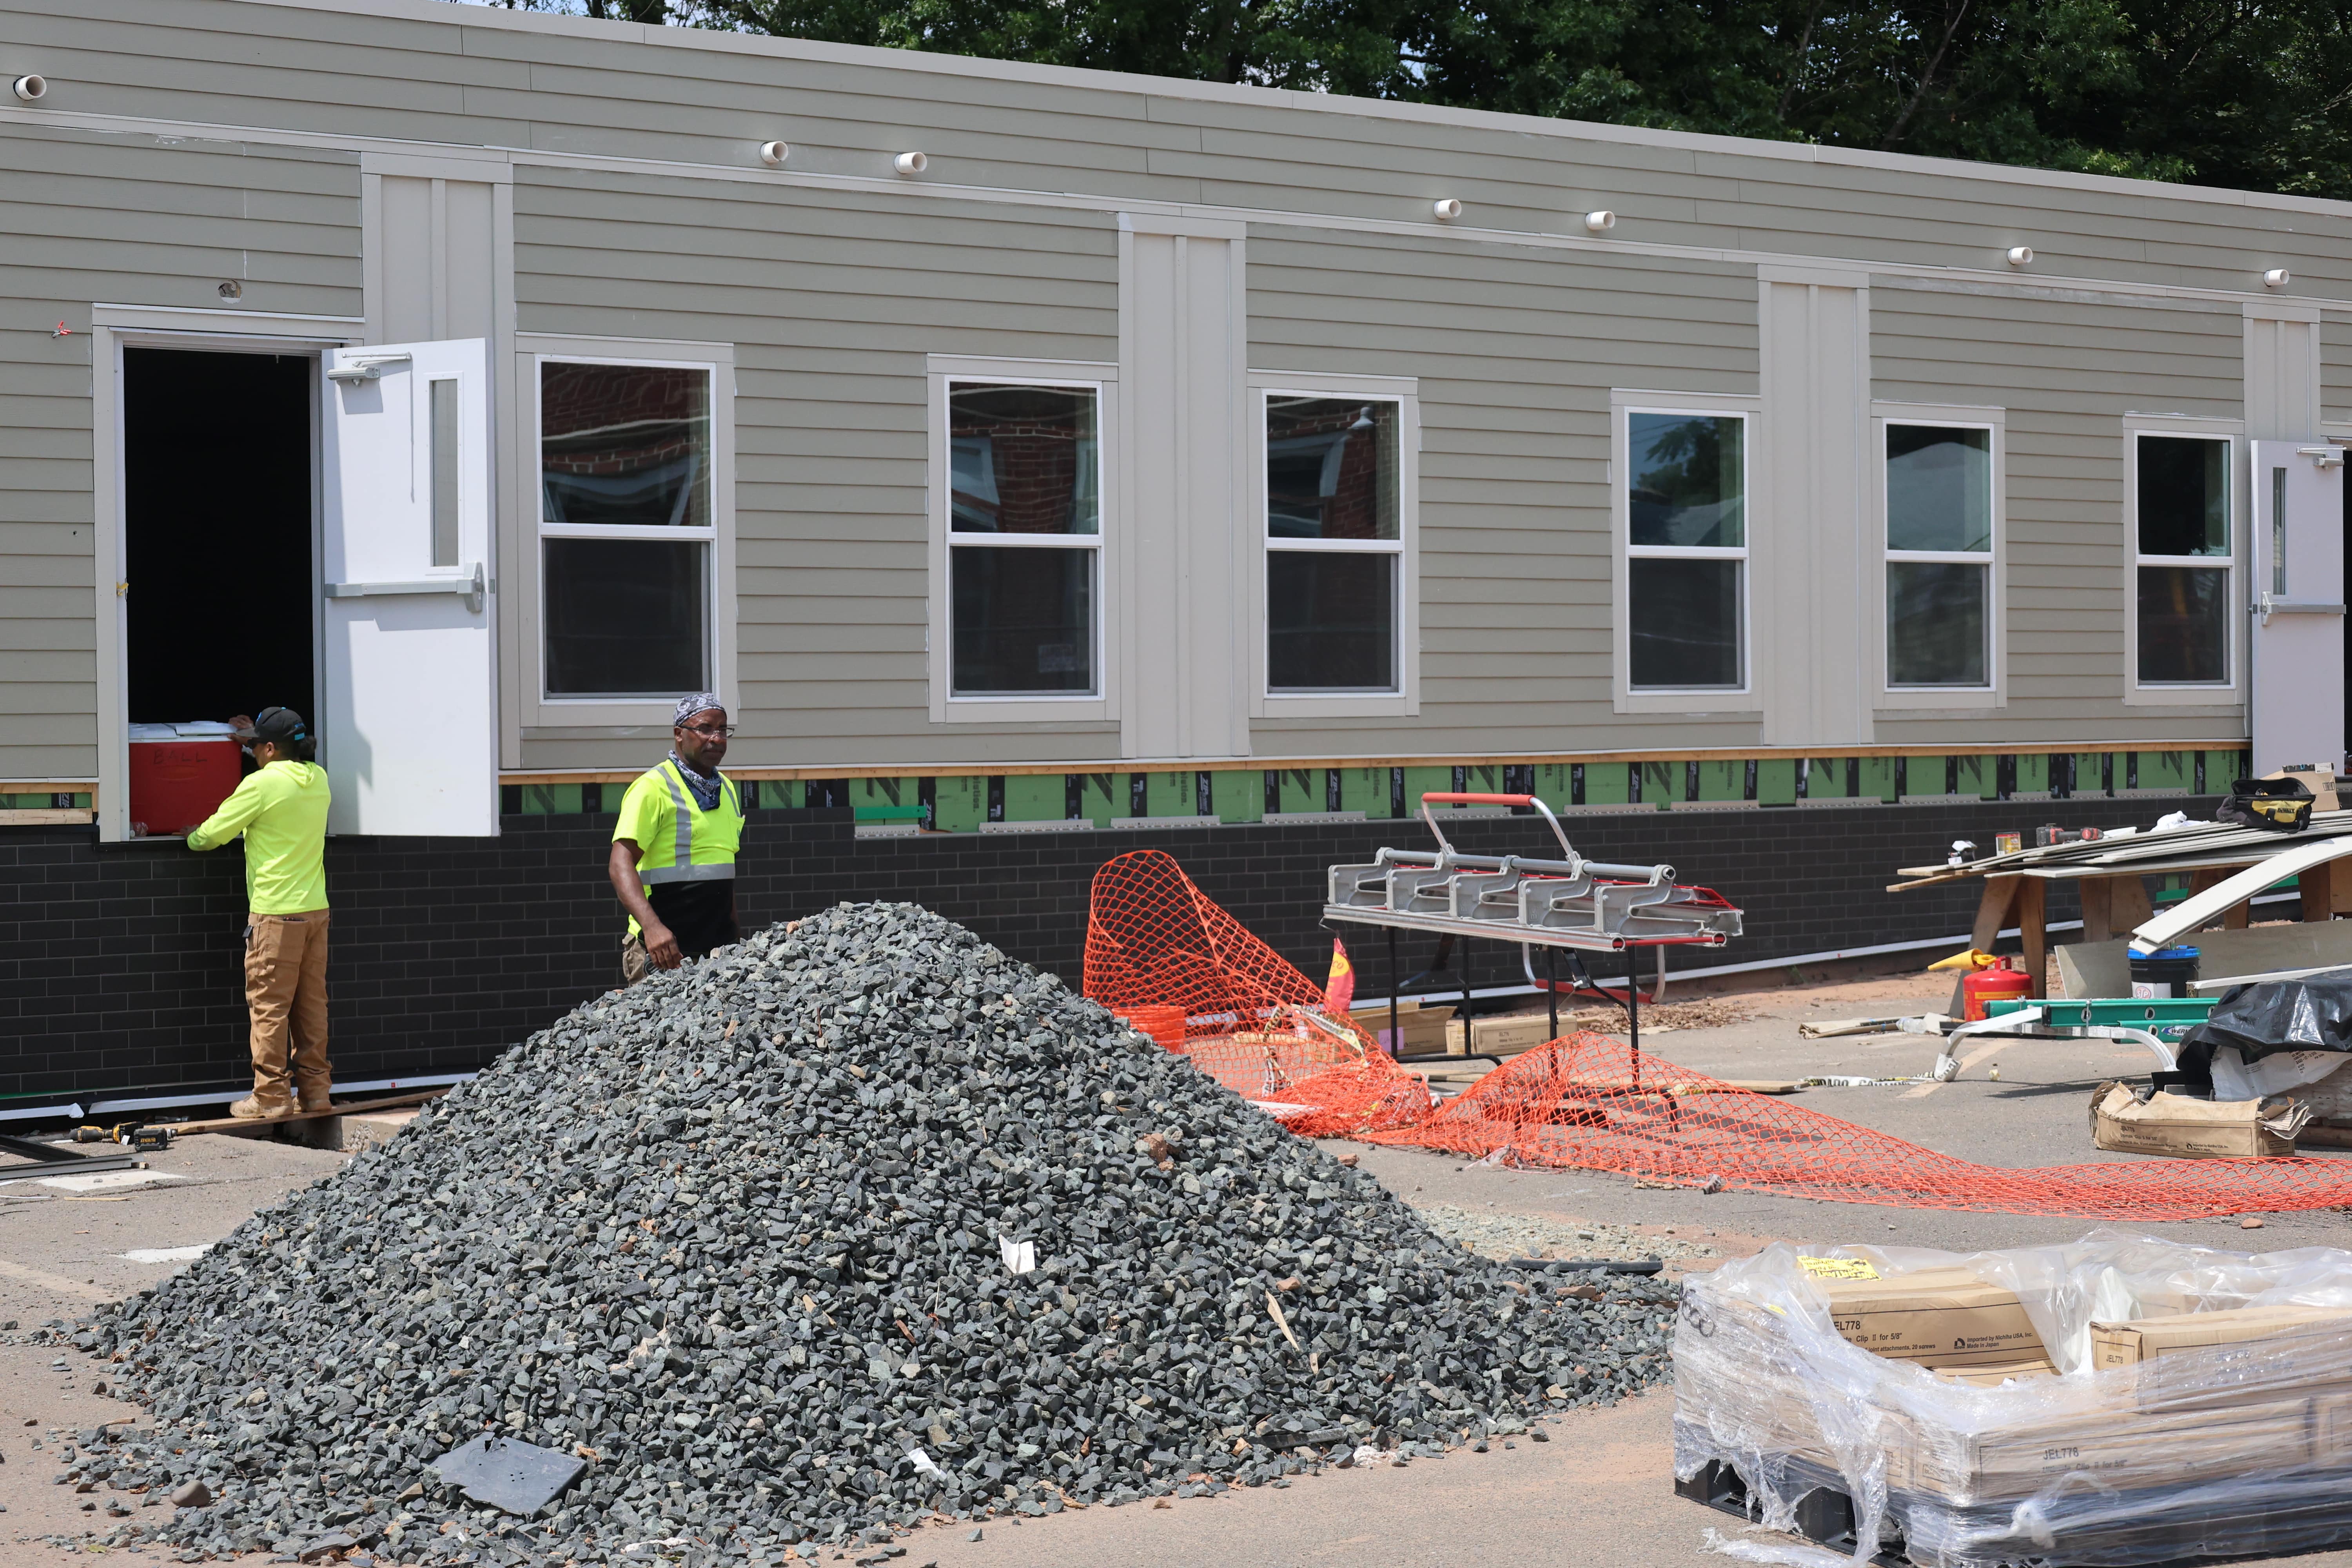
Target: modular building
(1043,463)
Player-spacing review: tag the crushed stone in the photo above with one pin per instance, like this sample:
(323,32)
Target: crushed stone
(737,1235)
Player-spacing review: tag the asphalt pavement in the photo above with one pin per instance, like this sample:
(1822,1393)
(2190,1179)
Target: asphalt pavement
(1599,1492)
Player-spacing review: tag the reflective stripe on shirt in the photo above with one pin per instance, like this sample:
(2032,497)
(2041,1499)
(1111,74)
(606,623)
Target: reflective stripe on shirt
(685,856)
(686,874)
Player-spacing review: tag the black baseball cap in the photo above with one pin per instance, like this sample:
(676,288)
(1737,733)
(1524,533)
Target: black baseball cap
(274,724)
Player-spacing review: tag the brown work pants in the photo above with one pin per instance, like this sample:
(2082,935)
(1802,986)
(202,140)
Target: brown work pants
(286,992)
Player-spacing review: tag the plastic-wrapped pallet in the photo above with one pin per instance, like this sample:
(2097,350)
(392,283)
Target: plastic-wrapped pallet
(2181,1403)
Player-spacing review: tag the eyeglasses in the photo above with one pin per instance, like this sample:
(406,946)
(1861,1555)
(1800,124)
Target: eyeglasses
(708,732)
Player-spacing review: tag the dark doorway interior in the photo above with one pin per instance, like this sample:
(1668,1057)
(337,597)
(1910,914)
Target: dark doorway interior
(217,547)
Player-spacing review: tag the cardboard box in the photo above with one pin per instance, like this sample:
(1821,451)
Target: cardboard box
(1422,1028)
(2138,1339)
(1505,1036)
(2182,1128)
(2211,1360)
(2130,1452)
(1935,1317)
(1993,1373)
(2331,1429)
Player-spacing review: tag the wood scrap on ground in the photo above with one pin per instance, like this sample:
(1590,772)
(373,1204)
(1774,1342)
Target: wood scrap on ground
(1661,1018)
(1832,1028)
(233,1124)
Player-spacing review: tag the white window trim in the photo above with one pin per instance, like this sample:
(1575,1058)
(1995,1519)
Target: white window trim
(632,716)
(2222,698)
(1746,697)
(1939,701)
(939,637)
(1405,702)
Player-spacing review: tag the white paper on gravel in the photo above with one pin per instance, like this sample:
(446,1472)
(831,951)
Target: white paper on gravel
(106,1181)
(1019,1257)
(166,1254)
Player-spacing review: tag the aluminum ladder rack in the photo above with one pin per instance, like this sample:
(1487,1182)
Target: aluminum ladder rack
(1590,906)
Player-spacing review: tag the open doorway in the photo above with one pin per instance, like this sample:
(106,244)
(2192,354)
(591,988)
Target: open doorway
(217,535)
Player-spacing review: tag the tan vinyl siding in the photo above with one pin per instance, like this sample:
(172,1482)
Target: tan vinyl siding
(124,218)
(2335,367)
(1515,353)
(833,300)
(2067,371)
(832,294)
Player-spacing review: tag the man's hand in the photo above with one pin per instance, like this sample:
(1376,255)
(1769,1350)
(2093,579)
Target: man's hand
(621,867)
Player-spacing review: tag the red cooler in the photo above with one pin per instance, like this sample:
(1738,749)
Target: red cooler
(180,774)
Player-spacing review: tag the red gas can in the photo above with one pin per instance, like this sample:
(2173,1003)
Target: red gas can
(179,775)
(2001,982)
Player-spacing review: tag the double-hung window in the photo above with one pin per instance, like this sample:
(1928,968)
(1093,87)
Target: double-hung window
(1025,471)
(1940,591)
(627,529)
(2181,559)
(1684,500)
(1334,544)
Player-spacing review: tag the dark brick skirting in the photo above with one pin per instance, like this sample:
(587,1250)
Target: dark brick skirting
(119,963)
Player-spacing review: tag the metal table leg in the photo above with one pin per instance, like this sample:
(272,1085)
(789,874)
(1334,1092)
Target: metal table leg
(1465,998)
(1551,988)
(1396,1032)
(1634,1010)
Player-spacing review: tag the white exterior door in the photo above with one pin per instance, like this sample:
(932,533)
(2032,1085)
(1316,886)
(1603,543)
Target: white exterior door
(2296,638)
(409,730)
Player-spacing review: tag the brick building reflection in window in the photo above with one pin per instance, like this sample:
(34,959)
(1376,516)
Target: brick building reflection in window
(1025,473)
(627,520)
(1334,543)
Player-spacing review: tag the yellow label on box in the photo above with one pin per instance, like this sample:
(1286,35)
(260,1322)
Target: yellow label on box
(1839,1267)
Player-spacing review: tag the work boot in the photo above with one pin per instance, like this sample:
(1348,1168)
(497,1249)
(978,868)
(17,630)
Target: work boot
(317,1102)
(252,1108)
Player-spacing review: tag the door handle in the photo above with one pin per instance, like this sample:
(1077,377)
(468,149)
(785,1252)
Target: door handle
(2267,606)
(471,587)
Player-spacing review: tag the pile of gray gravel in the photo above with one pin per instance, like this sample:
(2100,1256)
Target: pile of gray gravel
(739,1235)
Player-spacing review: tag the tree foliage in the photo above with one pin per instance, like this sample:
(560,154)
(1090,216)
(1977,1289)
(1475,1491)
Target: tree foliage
(2247,93)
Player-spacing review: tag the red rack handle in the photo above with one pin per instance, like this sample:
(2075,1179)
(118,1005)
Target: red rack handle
(1450,799)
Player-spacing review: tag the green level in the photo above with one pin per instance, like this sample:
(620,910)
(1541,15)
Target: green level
(2127,1012)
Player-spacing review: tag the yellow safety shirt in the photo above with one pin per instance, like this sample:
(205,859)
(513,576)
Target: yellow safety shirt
(281,810)
(681,842)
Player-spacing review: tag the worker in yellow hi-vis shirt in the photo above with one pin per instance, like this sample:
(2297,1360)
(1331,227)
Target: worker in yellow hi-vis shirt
(281,811)
(673,861)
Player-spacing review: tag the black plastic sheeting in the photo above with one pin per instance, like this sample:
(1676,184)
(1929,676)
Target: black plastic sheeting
(2312,1014)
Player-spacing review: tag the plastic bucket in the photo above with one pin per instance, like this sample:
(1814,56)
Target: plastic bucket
(2166,971)
(1164,1024)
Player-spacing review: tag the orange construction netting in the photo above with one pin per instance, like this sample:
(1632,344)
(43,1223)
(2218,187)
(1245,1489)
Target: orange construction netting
(1256,1024)
(1252,1021)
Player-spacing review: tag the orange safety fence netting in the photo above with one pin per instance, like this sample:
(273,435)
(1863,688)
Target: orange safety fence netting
(1253,1022)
